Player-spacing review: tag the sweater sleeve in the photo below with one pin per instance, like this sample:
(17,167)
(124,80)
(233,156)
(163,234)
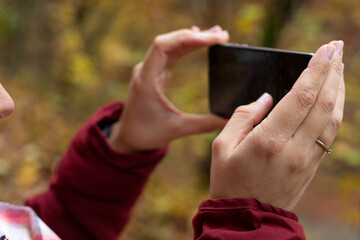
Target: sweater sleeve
(245,219)
(95,187)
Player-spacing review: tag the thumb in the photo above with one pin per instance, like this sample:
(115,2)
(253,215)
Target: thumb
(243,120)
(201,123)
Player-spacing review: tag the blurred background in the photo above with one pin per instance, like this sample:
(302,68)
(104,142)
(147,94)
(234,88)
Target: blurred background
(61,60)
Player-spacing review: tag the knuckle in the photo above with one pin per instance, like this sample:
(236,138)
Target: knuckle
(217,144)
(245,114)
(306,97)
(158,42)
(327,102)
(242,110)
(337,66)
(274,145)
(336,123)
(321,70)
(184,34)
(265,126)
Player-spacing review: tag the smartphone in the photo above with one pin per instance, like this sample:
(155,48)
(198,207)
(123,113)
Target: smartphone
(240,74)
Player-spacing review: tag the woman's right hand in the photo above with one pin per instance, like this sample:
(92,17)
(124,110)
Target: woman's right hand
(275,161)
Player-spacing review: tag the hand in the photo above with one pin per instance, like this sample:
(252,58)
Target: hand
(275,161)
(149,120)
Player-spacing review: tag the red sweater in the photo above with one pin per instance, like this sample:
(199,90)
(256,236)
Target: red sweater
(95,187)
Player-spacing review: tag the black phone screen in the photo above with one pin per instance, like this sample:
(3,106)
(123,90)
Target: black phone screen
(239,75)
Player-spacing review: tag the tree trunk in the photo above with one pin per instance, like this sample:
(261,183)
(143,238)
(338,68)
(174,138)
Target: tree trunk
(280,13)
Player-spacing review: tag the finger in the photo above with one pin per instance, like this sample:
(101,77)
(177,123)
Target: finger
(328,135)
(321,113)
(167,49)
(334,43)
(243,121)
(200,123)
(291,111)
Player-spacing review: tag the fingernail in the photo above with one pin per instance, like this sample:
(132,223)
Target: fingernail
(330,50)
(215,29)
(339,47)
(223,33)
(195,28)
(263,97)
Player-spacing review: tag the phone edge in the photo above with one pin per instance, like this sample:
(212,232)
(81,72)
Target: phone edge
(246,46)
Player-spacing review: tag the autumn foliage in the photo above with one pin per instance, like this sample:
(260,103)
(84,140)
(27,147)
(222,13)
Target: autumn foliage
(61,60)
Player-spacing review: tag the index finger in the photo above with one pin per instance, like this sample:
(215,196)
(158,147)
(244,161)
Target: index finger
(291,111)
(167,49)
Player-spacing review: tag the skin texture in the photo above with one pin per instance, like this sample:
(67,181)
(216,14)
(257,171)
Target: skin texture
(275,161)
(149,120)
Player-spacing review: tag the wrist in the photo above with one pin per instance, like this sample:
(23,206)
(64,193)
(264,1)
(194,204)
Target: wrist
(116,139)
(122,139)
